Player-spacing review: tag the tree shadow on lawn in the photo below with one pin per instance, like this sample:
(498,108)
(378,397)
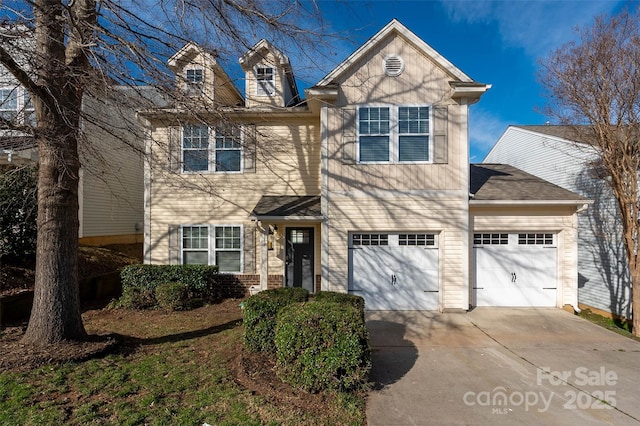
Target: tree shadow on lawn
(129,343)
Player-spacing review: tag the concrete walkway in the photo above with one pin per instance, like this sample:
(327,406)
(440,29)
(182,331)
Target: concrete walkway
(500,366)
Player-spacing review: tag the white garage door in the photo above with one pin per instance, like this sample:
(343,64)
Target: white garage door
(518,270)
(394,271)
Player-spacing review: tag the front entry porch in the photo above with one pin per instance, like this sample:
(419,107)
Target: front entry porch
(289,240)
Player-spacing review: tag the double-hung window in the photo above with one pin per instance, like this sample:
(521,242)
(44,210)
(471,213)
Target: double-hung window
(195,245)
(213,244)
(9,103)
(194,78)
(224,154)
(195,148)
(390,134)
(228,149)
(266,80)
(228,248)
(374,131)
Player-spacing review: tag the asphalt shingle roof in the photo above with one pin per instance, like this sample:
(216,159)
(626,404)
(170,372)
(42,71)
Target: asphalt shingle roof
(288,206)
(493,182)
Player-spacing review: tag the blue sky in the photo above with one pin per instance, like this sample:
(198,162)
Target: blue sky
(495,42)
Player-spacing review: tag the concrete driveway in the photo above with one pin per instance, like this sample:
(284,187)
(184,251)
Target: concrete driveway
(500,366)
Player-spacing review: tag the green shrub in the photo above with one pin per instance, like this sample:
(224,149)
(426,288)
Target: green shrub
(259,316)
(332,296)
(172,296)
(136,298)
(199,279)
(322,346)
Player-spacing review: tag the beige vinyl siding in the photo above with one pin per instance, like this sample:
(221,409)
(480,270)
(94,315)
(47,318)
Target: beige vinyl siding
(288,163)
(112,183)
(561,220)
(441,215)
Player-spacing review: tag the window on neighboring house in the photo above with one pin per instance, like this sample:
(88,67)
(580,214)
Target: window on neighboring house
(228,153)
(393,134)
(28,110)
(228,248)
(195,245)
(266,82)
(9,103)
(195,148)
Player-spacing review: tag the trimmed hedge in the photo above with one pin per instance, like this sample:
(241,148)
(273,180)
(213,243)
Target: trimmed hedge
(139,283)
(259,316)
(332,296)
(322,346)
(172,296)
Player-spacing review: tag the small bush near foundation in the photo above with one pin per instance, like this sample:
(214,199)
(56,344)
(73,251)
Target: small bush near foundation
(321,346)
(259,316)
(172,296)
(135,298)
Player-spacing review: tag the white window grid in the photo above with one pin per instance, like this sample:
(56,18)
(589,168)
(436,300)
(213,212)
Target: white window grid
(195,139)
(491,239)
(396,128)
(416,240)
(370,239)
(543,239)
(194,238)
(229,139)
(16,105)
(212,239)
(265,80)
(228,238)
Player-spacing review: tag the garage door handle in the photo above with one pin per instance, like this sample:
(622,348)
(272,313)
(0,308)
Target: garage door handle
(394,279)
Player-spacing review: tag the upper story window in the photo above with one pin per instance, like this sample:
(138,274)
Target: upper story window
(392,134)
(228,151)
(266,80)
(16,106)
(198,155)
(195,148)
(194,78)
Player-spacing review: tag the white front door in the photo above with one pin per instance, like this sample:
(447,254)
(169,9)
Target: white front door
(394,271)
(515,270)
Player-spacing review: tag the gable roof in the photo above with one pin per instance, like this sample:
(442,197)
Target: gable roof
(568,133)
(501,183)
(396,27)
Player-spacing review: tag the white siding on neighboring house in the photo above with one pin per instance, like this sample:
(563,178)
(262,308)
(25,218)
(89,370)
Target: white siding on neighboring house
(603,280)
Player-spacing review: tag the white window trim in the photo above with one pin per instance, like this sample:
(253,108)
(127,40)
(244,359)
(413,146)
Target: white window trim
(259,91)
(213,250)
(211,242)
(182,249)
(21,111)
(193,88)
(393,239)
(394,133)
(211,153)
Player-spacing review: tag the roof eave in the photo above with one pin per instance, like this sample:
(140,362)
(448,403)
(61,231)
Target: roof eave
(556,203)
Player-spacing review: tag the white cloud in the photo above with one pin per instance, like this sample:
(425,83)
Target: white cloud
(535,26)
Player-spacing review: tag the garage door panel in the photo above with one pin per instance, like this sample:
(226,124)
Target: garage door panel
(513,275)
(395,277)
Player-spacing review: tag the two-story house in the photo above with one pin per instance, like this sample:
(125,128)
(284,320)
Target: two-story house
(364,186)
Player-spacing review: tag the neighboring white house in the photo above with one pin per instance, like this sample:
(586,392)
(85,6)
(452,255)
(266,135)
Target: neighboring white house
(556,154)
(363,187)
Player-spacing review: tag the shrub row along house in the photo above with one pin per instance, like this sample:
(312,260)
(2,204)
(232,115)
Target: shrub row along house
(364,186)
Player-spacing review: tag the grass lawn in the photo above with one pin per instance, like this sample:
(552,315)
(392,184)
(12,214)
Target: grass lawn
(179,368)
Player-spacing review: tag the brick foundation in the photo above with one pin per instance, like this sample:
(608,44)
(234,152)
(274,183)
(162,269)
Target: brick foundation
(238,285)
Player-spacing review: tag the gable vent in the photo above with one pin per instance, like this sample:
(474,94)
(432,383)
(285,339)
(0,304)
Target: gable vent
(393,65)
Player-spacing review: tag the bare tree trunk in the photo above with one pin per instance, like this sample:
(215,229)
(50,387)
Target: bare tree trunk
(56,315)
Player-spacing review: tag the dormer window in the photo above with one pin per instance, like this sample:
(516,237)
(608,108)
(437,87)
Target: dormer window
(193,78)
(266,82)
